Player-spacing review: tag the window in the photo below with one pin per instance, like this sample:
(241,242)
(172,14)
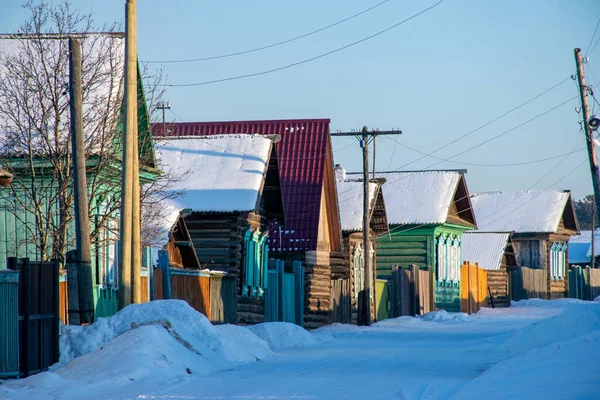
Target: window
(448,258)
(359,269)
(256,256)
(557,260)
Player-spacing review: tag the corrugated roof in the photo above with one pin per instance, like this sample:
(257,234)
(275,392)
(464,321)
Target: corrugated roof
(525,211)
(486,249)
(350,198)
(420,197)
(302,160)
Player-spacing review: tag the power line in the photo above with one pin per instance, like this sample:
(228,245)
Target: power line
(592,39)
(515,164)
(489,122)
(250,75)
(269,46)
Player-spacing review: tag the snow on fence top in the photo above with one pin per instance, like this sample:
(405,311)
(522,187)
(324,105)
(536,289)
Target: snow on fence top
(421,197)
(524,211)
(486,249)
(219,173)
(350,199)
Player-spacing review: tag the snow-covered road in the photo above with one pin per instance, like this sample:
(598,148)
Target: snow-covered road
(535,349)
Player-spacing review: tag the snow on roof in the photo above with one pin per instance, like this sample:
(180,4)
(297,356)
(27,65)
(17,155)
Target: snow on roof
(486,249)
(422,197)
(103,56)
(588,253)
(524,211)
(220,173)
(350,199)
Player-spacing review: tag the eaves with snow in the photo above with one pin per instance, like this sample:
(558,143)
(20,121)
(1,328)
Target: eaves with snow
(425,197)
(524,211)
(350,200)
(218,174)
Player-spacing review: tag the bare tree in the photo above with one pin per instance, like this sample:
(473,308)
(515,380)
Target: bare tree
(34,122)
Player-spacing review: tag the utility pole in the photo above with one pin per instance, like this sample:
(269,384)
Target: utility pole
(593,261)
(583,94)
(365,137)
(163,106)
(127,183)
(85,277)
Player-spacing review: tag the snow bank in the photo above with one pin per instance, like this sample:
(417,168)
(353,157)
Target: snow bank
(575,318)
(280,335)
(219,346)
(559,370)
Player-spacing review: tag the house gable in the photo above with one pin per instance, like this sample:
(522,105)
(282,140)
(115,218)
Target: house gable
(461,211)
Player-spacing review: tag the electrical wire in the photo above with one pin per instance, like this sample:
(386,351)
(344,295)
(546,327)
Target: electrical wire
(488,123)
(592,39)
(269,46)
(250,75)
(515,164)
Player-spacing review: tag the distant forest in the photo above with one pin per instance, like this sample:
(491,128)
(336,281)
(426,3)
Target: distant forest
(584,209)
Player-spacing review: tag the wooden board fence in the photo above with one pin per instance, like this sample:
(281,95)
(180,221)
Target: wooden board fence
(584,283)
(340,301)
(528,283)
(410,291)
(473,288)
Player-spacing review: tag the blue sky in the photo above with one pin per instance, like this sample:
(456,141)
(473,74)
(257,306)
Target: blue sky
(436,77)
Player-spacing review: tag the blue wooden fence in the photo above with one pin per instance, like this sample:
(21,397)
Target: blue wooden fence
(285,293)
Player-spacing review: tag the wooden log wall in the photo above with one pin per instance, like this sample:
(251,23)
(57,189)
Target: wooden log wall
(498,286)
(317,278)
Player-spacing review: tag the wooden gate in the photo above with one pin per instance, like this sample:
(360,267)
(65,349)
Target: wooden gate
(285,293)
(340,301)
(410,291)
(527,283)
(473,288)
(382,299)
(584,283)
(38,314)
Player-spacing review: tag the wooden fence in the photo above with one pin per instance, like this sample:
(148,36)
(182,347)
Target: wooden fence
(409,291)
(210,294)
(584,283)
(38,314)
(527,283)
(473,288)
(340,301)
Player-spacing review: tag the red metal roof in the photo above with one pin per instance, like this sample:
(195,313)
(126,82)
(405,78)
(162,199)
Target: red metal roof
(302,157)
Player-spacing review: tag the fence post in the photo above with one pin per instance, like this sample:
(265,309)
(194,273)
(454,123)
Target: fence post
(416,300)
(73,310)
(26,315)
(56,322)
(150,282)
(299,272)
(163,263)
(393,294)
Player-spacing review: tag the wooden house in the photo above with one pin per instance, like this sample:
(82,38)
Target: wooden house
(311,234)
(493,252)
(350,198)
(427,212)
(220,225)
(542,222)
(37,169)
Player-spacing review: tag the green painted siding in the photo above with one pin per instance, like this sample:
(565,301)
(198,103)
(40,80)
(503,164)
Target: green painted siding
(408,245)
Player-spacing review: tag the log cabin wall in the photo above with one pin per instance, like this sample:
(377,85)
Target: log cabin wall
(534,251)
(218,243)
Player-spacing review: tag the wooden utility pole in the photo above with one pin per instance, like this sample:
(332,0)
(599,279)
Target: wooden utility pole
(365,137)
(85,277)
(127,183)
(583,94)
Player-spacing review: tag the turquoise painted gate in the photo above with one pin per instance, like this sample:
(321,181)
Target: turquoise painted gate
(285,293)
